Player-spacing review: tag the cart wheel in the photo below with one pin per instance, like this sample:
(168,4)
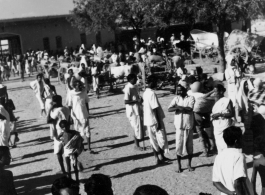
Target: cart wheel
(209,54)
(61,72)
(239,50)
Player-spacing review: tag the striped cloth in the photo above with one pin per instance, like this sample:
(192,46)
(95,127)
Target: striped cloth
(257,97)
(74,146)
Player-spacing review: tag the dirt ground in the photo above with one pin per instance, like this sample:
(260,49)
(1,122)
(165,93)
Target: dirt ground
(35,166)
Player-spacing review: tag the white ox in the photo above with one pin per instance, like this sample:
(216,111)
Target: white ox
(123,71)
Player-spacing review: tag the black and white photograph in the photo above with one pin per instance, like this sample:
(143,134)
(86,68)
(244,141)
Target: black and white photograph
(132,97)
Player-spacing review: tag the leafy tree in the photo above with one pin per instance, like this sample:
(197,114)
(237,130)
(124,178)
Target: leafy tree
(95,15)
(218,12)
(222,12)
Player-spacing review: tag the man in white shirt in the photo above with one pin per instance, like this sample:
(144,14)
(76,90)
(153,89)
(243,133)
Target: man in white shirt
(78,105)
(229,169)
(153,120)
(132,102)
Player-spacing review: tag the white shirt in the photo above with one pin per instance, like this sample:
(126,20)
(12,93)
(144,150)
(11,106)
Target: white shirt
(78,102)
(131,94)
(183,120)
(61,113)
(94,71)
(180,72)
(231,74)
(151,103)
(228,166)
(4,132)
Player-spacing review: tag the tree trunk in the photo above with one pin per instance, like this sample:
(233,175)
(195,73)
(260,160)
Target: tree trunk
(220,34)
(138,36)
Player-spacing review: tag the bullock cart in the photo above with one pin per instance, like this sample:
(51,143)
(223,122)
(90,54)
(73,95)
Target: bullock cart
(238,43)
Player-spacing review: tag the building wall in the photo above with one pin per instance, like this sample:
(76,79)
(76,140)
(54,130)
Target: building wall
(32,32)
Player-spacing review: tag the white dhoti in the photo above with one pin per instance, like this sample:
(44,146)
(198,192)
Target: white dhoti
(41,102)
(95,83)
(58,145)
(135,121)
(48,105)
(184,141)
(158,139)
(231,92)
(82,126)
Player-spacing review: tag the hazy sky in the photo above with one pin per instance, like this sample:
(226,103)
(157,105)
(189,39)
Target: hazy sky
(32,8)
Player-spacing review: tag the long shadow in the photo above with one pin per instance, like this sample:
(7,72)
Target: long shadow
(24,163)
(35,185)
(110,138)
(123,159)
(99,107)
(113,146)
(140,170)
(17,111)
(36,154)
(32,128)
(36,144)
(205,165)
(107,113)
(18,88)
(37,140)
(25,176)
(171,133)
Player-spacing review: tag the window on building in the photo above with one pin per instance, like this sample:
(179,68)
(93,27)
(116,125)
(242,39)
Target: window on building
(83,38)
(4,47)
(59,43)
(46,43)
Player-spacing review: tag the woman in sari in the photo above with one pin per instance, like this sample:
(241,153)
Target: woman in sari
(222,114)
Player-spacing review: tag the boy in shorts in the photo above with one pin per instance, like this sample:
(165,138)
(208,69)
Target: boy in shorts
(73,146)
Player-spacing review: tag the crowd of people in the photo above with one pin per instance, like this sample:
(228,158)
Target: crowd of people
(199,105)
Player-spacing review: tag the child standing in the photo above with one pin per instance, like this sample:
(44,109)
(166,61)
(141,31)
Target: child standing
(73,146)
(259,164)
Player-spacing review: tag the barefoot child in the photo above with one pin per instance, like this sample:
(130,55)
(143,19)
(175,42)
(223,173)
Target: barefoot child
(182,105)
(259,164)
(73,146)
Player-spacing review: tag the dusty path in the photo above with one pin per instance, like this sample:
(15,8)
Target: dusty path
(35,165)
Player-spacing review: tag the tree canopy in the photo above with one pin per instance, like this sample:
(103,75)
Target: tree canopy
(95,15)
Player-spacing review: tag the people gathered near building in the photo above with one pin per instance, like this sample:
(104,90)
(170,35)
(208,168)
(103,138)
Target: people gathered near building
(211,108)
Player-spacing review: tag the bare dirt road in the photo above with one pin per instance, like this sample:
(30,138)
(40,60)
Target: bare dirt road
(35,166)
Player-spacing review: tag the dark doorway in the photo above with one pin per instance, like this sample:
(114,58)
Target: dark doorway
(9,44)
